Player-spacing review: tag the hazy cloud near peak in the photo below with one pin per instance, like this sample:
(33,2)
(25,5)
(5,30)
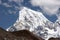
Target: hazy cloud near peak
(45,2)
(49,6)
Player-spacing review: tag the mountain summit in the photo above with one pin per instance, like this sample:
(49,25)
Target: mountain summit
(36,23)
(28,19)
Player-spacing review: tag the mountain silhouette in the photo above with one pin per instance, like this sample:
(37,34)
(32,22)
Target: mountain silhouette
(18,35)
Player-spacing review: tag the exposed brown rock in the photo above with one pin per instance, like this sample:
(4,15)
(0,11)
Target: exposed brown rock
(18,35)
(54,39)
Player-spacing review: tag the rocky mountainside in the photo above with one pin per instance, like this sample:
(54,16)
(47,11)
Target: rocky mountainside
(20,35)
(17,35)
(54,39)
(36,23)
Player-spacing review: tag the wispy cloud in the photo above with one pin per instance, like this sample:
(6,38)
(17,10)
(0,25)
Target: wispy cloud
(9,4)
(6,5)
(49,6)
(17,1)
(0,2)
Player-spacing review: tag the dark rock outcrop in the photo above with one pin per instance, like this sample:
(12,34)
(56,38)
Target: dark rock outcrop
(54,39)
(18,35)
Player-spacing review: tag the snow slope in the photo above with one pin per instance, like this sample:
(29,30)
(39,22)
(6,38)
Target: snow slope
(30,18)
(35,22)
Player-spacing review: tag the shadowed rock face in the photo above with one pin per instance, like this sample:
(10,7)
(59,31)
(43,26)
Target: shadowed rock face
(54,39)
(26,34)
(18,35)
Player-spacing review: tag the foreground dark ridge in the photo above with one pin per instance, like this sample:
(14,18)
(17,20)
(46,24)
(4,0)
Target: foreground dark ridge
(17,35)
(54,39)
(20,35)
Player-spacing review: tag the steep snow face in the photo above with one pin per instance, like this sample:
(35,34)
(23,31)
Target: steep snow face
(29,19)
(35,22)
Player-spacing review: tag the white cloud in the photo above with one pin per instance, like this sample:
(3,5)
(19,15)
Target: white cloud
(48,6)
(45,2)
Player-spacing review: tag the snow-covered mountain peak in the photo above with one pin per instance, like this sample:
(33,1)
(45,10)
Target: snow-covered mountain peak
(30,12)
(35,22)
(31,18)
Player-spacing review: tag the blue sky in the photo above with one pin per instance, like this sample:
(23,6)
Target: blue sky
(7,19)
(10,13)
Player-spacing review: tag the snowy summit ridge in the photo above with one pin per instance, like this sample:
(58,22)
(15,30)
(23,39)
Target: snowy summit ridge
(29,17)
(35,22)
